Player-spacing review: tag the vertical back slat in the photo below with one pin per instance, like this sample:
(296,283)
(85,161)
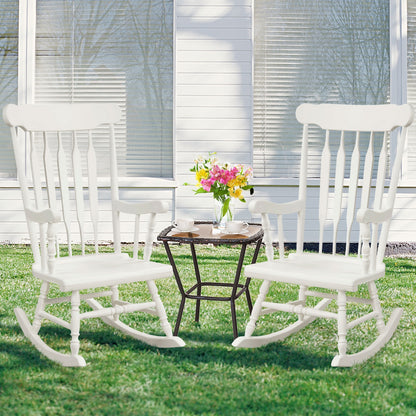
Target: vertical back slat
(35,168)
(93,189)
(366,185)
(324,188)
(114,190)
(43,246)
(149,238)
(352,190)
(302,189)
(267,237)
(136,237)
(395,174)
(49,173)
(78,187)
(373,248)
(63,181)
(339,185)
(37,189)
(378,198)
(368,173)
(51,192)
(281,236)
(381,174)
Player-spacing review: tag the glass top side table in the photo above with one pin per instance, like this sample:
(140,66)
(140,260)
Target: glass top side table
(202,234)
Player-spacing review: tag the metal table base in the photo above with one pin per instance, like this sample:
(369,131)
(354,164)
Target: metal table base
(236,288)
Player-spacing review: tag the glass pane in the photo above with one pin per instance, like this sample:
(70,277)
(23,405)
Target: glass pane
(117,51)
(9,15)
(411,85)
(322,51)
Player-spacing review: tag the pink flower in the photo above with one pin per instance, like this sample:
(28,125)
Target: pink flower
(248,172)
(223,176)
(207,183)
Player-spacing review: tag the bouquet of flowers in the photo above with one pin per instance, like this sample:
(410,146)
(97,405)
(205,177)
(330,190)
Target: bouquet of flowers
(222,180)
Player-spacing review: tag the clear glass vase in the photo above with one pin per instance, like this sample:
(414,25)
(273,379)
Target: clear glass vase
(223,212)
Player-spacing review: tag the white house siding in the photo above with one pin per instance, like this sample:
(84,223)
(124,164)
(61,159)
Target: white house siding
(213,113)
(213,90)
(13,228)
(403,225)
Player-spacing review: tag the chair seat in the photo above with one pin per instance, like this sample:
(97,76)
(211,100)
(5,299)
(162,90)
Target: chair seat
(98,270)
(318,270)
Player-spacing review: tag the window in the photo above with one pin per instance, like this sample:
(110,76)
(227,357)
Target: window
(9,17)
(320,51)
(113,51)
(410,162)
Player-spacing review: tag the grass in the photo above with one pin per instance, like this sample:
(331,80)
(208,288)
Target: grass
(208,376)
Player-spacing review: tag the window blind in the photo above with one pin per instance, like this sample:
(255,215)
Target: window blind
(9,17)
(322,51)
(411,85)
(113,51)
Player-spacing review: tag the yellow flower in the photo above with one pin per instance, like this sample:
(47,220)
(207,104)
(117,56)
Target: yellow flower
(201,174)
(236,193)
(241,180)
(232,183)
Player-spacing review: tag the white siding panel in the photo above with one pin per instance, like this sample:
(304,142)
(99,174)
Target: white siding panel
(212,45)
(213,91)
(13,228)
(214,10)
(211,79)
(214,101)
(192,90)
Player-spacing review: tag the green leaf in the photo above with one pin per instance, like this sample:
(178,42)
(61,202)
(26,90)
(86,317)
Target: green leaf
(225,207)
(201,191)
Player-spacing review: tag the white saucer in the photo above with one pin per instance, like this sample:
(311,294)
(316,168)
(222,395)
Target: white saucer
(240,232)
(177,230)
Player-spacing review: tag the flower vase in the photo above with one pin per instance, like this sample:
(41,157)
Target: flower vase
(223,212)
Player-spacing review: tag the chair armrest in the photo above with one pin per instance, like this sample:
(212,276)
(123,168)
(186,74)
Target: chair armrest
(366,215)
(268,207)
(138,208)
(43,216)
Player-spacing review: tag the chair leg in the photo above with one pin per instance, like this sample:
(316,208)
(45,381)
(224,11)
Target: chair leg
(168,341)
(114,300)
(251,326)
(249,341)
(342,323)
(31,331)
(302,300)
(160,309)
(75,322)
(375,302)
(386,331)
(40,307)
(255,313)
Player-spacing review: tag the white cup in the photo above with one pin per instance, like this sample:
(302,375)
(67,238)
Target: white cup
(183,224)
(236,227)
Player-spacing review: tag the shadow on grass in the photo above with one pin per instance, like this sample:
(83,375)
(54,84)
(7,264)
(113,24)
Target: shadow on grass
(208,347)
(216,347)
(22,355)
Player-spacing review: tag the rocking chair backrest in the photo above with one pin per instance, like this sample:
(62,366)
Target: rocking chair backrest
(364,179)
(57,149)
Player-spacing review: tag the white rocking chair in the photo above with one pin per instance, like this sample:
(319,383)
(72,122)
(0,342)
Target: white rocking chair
(61,181)
(341,200)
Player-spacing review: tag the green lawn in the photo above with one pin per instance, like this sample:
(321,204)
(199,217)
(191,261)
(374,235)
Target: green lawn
(208,376)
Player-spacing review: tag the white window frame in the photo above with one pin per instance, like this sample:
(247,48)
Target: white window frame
(398,89)
(26,71)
